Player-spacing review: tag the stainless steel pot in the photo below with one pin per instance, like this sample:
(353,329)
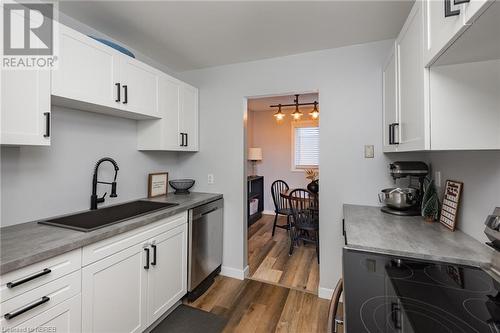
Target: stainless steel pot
(399,198)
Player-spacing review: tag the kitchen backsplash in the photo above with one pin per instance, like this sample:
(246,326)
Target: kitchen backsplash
(40,182)
(480,173)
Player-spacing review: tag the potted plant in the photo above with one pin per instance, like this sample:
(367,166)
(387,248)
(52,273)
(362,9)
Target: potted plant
(312,175)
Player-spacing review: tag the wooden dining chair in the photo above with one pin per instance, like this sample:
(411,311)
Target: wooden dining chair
(334,317)
(305,218)
(280,204)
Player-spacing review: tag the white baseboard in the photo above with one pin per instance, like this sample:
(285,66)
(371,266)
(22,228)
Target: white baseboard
(325,293)
(268,212)
(239,274)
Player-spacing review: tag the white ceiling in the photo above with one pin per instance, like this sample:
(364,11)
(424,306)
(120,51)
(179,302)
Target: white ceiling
(186,35)
(262,104)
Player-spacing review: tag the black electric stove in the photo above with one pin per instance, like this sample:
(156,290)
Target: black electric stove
(387,294)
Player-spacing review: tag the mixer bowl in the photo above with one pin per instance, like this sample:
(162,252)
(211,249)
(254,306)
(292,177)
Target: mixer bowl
(399,198)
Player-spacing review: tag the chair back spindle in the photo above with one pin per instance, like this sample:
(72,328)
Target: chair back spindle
(278,187)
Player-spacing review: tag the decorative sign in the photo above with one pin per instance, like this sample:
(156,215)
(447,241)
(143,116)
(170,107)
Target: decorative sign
(157,184)
(451,201)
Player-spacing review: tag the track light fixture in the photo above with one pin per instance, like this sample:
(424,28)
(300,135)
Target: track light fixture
(296,115)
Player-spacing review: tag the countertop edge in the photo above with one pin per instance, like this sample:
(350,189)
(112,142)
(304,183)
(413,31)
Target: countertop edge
(104,233)
(420,256)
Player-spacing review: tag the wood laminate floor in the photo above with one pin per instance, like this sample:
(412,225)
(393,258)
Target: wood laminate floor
(269,261)
(254,307)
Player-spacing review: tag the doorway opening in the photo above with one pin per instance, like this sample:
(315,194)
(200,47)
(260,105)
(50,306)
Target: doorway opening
(283,183)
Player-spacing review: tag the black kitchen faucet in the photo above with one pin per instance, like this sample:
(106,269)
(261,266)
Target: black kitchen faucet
(94,200)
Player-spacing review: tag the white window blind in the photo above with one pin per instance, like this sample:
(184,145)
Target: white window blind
(306,150)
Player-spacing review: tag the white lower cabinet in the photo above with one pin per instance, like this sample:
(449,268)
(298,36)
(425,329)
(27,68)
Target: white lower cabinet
(114,293)
(53,304)
(65,317)
(167,279)
(129,290)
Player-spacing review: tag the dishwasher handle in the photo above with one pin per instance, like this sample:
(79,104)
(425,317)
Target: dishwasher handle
(199,212)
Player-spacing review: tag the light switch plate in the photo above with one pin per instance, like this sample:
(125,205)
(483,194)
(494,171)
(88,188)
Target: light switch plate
(211,178)
(369,151)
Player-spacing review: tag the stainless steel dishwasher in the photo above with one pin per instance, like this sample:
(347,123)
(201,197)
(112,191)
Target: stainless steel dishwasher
(204,246)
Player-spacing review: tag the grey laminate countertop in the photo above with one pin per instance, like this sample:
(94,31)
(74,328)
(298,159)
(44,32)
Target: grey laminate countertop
(27,243)
(367,228)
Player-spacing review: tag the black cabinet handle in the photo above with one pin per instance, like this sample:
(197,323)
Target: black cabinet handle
(448,11)
(125,91)
(395,138)
(13,284)
(182,139)
(459,2)
(147,258)
(154,255)
(43,300)
(47,124)
(118,91)
(391,134)
(186,140)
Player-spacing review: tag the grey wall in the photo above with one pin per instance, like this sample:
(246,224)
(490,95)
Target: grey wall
(275,139)
(349,83)
(41,182)
(480,173)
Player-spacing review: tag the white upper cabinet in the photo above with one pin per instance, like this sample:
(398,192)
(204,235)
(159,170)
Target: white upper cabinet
(444,22)
(25,107)
(87,71)
(139,83)
(189,117)
(24,104)
(177,130)
(412,83)
(94,77)
(390,103)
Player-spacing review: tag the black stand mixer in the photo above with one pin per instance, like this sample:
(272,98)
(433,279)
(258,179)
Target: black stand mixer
(405,201)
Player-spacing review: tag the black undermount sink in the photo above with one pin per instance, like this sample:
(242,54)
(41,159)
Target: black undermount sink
(102,217)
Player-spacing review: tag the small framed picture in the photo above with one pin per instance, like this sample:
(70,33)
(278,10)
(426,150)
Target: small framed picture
(451,203)
(157,184)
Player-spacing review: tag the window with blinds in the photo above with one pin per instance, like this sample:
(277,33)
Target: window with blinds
(306,146)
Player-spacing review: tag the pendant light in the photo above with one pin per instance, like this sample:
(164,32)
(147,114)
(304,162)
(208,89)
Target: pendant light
(296,114)
(315,112)
(279,115)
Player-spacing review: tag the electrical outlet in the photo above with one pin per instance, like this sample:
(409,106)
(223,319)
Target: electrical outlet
(369,151)
(437,178)
(211,178)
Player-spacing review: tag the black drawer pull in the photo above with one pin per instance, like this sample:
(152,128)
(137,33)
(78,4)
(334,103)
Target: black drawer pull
(29,278)
(43,300)
(154,255)
(187,144)
(47,124)
(459,2)
(147,258)
(118,90)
